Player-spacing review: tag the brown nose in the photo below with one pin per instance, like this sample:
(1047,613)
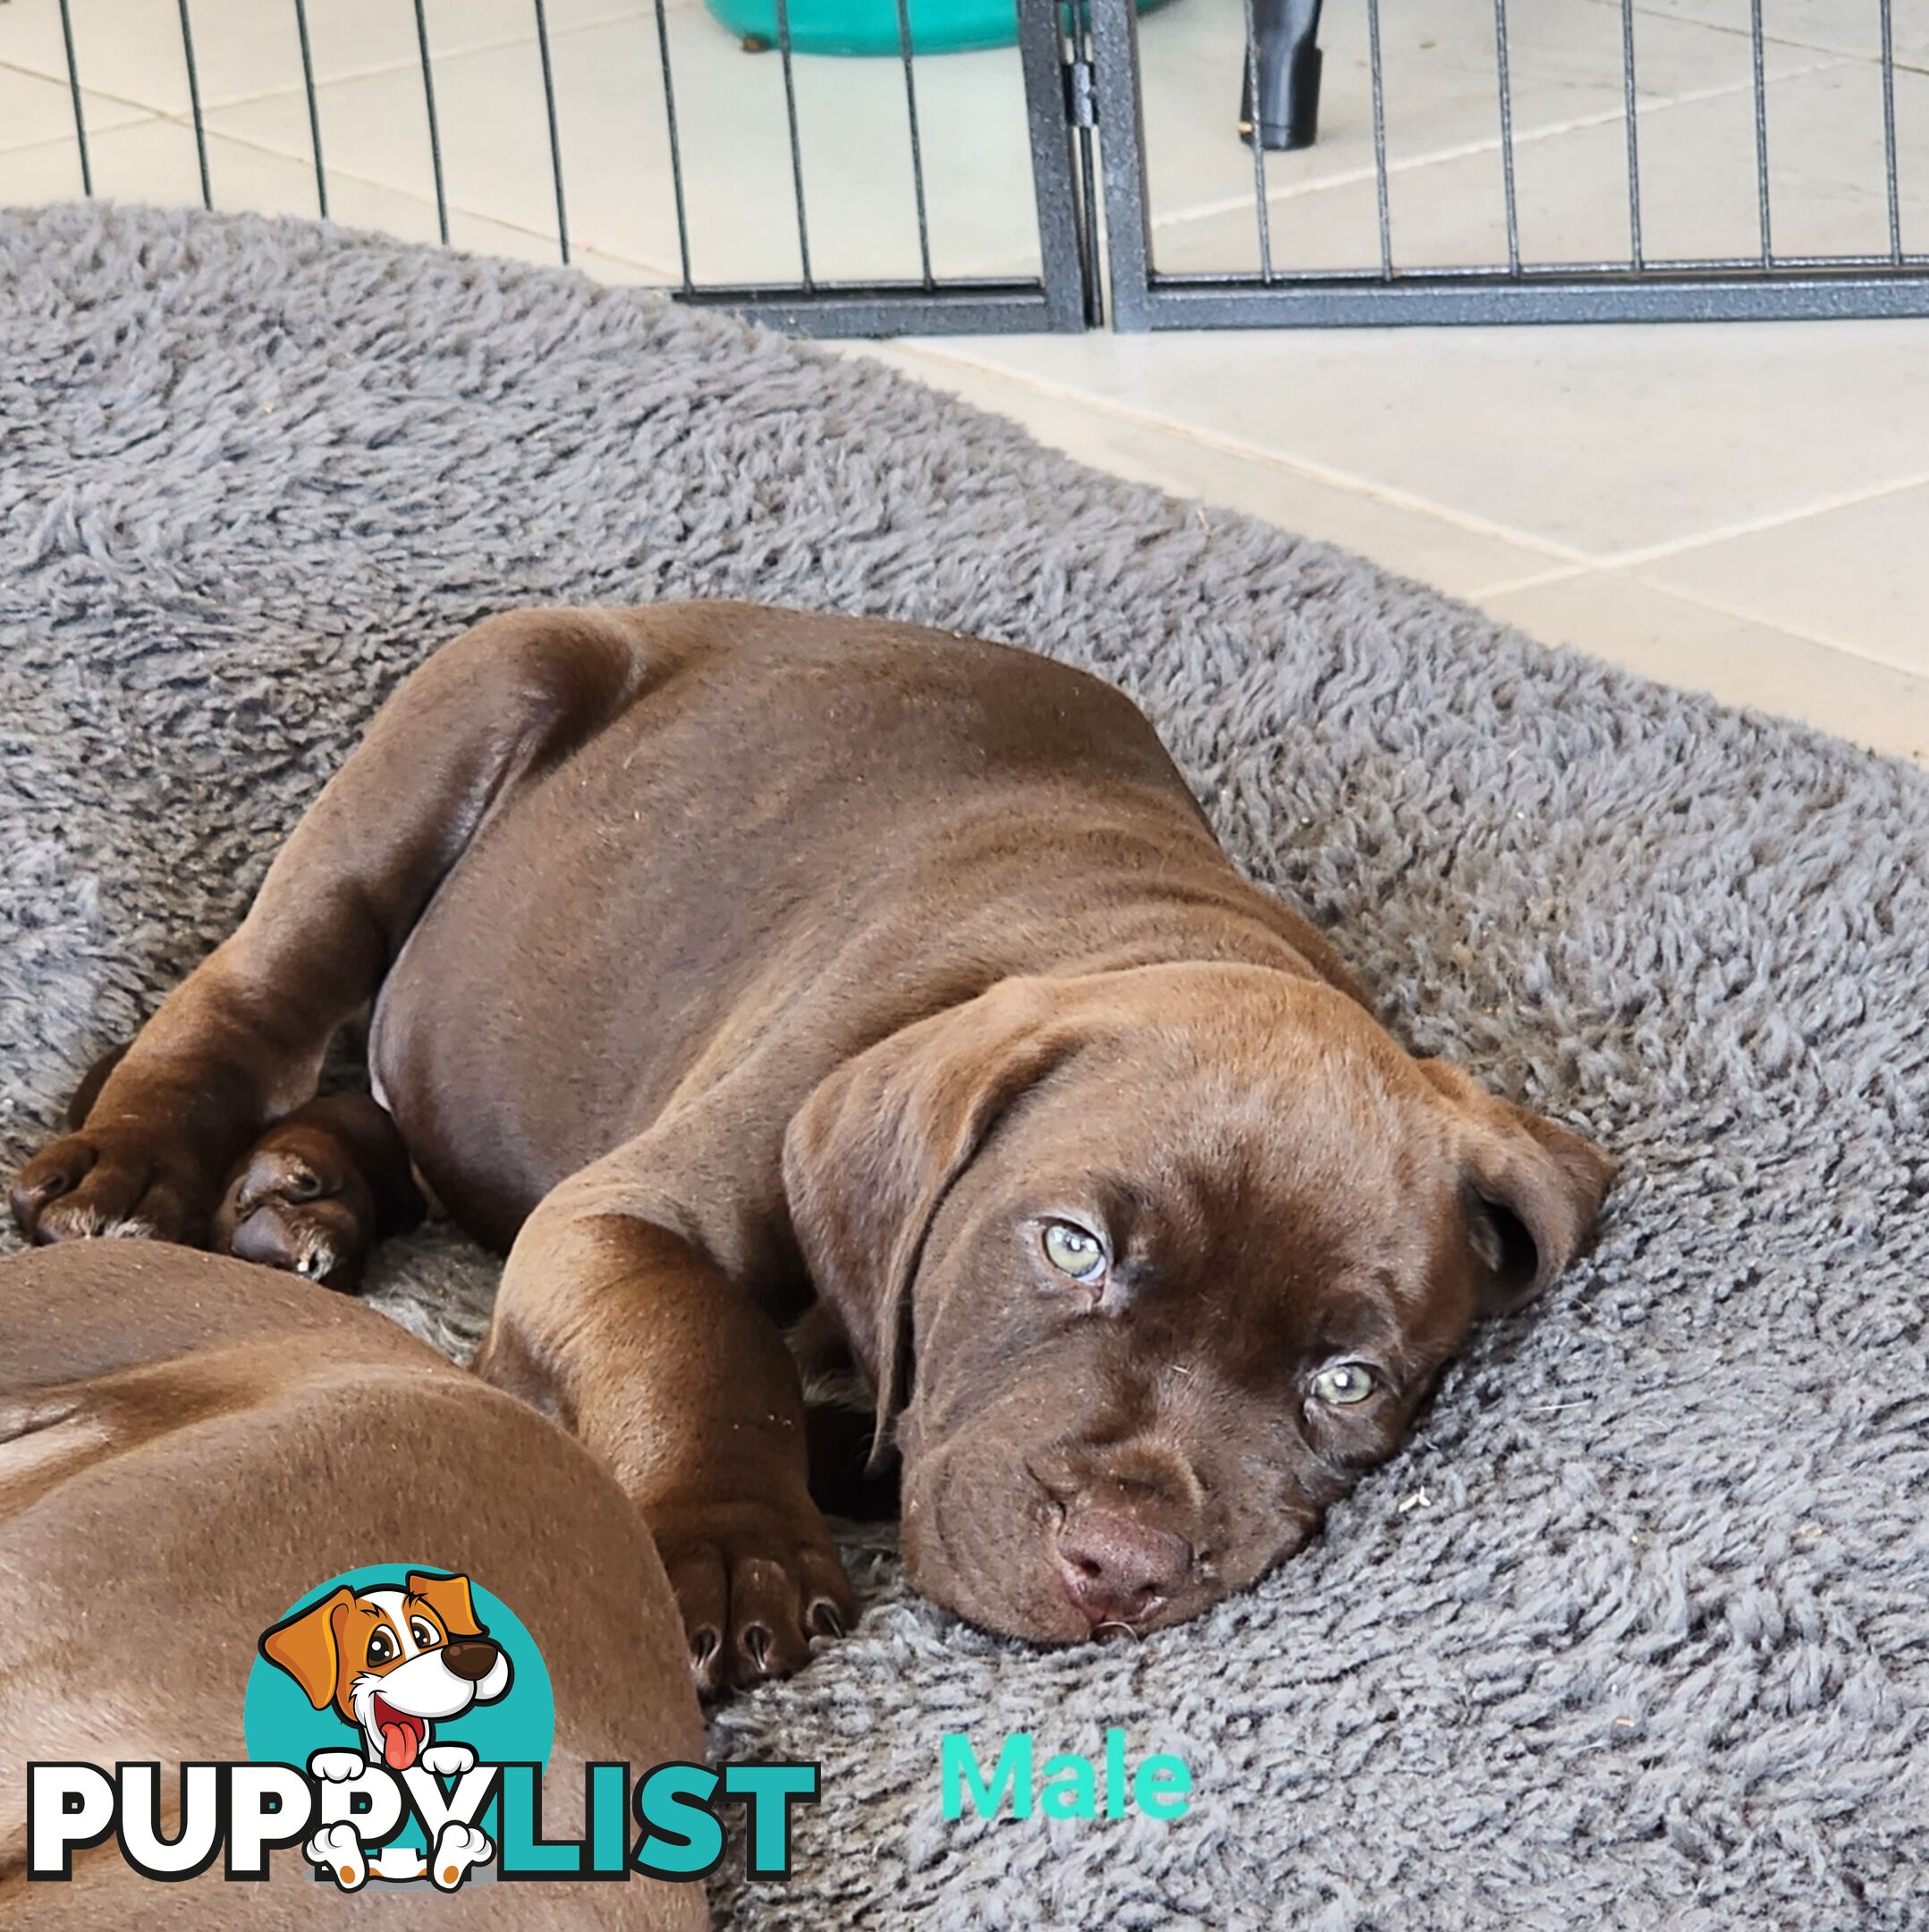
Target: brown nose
(1119,1570)
(472,1658)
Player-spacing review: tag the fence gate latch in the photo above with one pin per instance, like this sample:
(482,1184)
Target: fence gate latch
(1081,99)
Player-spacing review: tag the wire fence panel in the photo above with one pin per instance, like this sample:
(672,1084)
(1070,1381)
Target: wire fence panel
(1513,160)
(908,190)
(1254,162)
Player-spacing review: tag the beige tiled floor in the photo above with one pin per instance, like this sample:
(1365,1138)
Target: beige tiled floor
(1741,508)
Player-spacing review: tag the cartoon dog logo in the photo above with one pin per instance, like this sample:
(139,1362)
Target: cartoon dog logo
(393,1663)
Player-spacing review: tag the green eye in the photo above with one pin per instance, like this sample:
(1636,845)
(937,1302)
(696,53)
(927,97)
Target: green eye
(1344,1383)
(1073,1251)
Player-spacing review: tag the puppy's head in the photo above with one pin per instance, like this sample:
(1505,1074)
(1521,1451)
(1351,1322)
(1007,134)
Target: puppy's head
(392,1661)
(1146,1267)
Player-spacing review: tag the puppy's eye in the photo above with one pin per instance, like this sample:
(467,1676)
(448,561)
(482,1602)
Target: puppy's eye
(380,1648)
(1343,1384)
(425,1634)
(1073,1250)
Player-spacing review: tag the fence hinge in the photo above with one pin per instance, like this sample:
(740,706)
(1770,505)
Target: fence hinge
(1081,99)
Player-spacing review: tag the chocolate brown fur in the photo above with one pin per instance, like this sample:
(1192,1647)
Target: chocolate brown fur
(724,958)
(187,1445)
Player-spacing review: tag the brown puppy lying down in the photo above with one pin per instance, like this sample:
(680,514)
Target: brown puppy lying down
(187,1445)
(722,958)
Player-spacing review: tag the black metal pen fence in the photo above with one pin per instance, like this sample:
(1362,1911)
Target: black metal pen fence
(1219,162)
(1742,266)
(1035,266)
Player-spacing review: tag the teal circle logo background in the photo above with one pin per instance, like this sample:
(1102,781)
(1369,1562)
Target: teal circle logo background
(282,1727)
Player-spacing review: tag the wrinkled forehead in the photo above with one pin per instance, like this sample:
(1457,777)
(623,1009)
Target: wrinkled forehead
(1315,1180)
(1229,1110)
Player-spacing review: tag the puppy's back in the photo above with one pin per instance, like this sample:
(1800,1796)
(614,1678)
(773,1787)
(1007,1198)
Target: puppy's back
(229,1437)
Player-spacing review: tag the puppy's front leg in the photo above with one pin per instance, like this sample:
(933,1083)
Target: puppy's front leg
(630,1336)
(241,1040)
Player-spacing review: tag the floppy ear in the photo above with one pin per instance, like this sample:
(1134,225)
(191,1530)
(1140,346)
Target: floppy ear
(1535,1190)
(449,1598)
(307,1648)
(871,1154)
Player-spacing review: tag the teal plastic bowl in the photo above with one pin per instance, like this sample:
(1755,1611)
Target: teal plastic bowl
(871,26)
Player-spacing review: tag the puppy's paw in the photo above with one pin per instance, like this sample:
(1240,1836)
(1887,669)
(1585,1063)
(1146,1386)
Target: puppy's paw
(337,1766)
(317,1190)
(448,1760)
(338,1851)
(104,1182)
(297,1208)
(458,1848)
(755,1582)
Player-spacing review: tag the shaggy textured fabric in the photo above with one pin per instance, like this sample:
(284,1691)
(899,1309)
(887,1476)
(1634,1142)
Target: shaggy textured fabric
(1636,1630)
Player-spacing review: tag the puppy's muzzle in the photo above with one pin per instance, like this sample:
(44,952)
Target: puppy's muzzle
(1118,1568)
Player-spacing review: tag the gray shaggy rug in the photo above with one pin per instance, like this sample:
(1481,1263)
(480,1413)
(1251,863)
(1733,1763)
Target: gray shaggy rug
(1636,1632)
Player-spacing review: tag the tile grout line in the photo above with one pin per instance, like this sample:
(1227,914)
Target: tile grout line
(1904,64)
(1578,565)
(1839,646)
(384,188)
(1694,601)
(1539,581)
(1628,561)
(86,94)
(1388,494)
(1641,555)
(1466,151)
(411,63)
(294,90)
(181,123)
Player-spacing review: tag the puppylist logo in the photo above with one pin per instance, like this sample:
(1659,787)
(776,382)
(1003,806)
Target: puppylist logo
(396,1662)
(398,1722)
